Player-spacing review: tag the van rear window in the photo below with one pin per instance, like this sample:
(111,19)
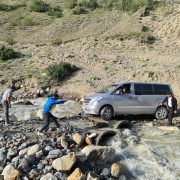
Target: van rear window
(143,89)
(161,89)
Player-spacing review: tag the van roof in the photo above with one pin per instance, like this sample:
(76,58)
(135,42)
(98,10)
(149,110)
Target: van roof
(119,83)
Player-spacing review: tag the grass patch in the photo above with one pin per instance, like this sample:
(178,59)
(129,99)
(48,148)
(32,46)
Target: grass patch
(37,6)
(55,11)
(143,37)
(4,65)
(61,71)
(7,7)
(7,53)
(69,4)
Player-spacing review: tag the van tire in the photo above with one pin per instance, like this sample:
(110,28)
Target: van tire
(161,112)
(106,113)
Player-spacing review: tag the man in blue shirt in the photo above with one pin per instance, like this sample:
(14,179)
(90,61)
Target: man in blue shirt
(47,116)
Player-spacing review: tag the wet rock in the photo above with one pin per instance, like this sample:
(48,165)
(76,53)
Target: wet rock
(123,124)
(34,149)
(92,176)
(15,175)
(7,171)
(55,153)
(122,177)
(49,176)
(78,138)
(64,163)
(77,174)
(99,154)
(106,172)
(116,169)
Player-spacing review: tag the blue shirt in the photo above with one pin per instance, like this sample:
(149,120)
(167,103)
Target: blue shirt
(50,103)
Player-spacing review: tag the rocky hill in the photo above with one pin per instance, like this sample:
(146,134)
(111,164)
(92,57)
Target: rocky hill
(107,45)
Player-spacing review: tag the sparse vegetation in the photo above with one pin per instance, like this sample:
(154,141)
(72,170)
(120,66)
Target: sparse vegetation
(37,6)
(60,71)
(88,4)
(7,7)
(55,11)
(79,10)
(7,53)
(69,4)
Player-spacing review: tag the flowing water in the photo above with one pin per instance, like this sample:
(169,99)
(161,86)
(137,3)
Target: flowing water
(149,153)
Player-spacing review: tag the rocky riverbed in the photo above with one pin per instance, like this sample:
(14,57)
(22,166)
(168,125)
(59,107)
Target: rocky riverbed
(86,147)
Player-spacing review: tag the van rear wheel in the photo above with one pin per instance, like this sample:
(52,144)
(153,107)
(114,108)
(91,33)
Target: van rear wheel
(161,112)
(106,113)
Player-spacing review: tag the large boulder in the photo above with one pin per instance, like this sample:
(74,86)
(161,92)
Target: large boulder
(15,175)
(34,149)
(78,138)
(8,171)
(39,114)
(65,163)
(99,154)
(76,175)
(49,176)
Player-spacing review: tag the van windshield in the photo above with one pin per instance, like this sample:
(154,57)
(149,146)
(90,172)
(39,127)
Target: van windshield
(107,89)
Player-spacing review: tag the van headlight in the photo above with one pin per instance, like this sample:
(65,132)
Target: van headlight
(95,100)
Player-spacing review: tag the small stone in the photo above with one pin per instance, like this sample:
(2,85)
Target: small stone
(92,176)
(122,177)
(40,114)
(49,176)
(64,143)
(88,141)
(34,149)
(115,169)
(55,153)
(106,172)
(78,138)
(77,174)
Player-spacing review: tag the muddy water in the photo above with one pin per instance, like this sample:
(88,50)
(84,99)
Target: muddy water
(149,153)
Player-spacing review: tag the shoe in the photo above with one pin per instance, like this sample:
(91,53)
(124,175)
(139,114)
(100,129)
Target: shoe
(40,134)
(7,124)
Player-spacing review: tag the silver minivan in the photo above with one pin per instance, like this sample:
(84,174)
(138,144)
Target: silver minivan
(128,98)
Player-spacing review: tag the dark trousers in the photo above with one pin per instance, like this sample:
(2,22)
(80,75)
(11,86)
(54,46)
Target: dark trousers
(48,117)
(170,115)
(6,111)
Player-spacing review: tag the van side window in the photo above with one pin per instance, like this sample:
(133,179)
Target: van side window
(147,89)
(161,89)
(138,89)
(124,89)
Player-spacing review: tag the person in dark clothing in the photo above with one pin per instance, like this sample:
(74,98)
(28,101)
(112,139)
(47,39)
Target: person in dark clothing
(172,106)
(47,116)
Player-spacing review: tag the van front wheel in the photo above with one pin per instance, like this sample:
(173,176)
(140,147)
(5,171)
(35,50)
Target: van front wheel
(161,112)
(106,113)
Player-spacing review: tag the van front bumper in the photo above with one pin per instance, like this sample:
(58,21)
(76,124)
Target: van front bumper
(91,109)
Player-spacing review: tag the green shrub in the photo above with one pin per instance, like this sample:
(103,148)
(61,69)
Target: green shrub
(79,10)
(7,53)
(69,4)
(55,11)
(60,71)
(37,6)
(6,7)
(89,4)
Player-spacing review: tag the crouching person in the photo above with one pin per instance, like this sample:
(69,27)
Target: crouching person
(47,116)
